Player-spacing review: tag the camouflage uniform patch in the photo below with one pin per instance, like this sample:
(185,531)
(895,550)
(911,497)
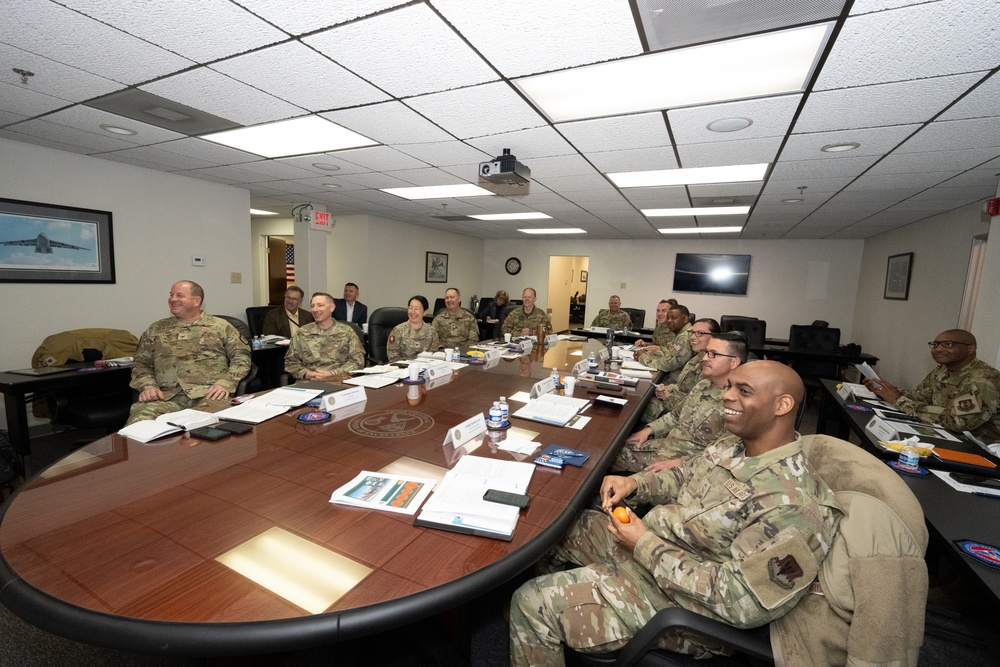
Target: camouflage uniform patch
(670,358)
(966,400)
(517,320)
(456,330)
(405,342)
(620,320)
(689,376)
(337,350)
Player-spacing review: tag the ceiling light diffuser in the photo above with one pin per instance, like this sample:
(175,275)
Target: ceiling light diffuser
(768,64)
(439,191)
(704,210)
(840,148)
(701,230)
(257,211)
(729,124)
(737,173)
(512,216)
(557,230)
(298,136)
(114,129)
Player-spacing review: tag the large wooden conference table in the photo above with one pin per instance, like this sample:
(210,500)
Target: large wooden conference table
(117,544)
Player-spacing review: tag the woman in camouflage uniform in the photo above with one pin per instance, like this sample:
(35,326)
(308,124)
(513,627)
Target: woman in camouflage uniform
(414,336)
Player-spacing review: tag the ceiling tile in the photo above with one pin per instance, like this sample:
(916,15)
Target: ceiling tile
(544,36)
(945,160)
(90,142)
(929,39)
(24,102)
(814,186)
(7,117)
(737,151)
(150,155)
(947,135)
(277,169)
(302,16)
(564,184)
(883,104)
(202,31)
(54,78)
(305,78)
(335,159)
(725,189)
(974,177)
(424,177)
(771,118)
(900,181)
(235,174)
(408,51)
(389,123)
(537,142)
(60,34)
(874,141)
(446,154)
(493,108)
(376,180)
(380,158)
(640,159)
(832,167)
(208,150)
(673,193)
(980,102)
(619,133)
(90,120)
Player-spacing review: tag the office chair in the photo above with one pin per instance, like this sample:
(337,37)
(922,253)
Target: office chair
(380,325)
(638,316)
(808,338)
(240,325)
(756,330)
(727,318)
(877,556)
(255,319)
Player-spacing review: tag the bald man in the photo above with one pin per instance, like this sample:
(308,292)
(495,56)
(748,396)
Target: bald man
(738,533)
(961,394)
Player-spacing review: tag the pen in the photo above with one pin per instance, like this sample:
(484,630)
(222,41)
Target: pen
(176,426)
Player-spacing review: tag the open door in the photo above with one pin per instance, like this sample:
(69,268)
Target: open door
(567,291)
(277,270)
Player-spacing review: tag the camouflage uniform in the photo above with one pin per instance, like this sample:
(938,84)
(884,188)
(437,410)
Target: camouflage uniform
(456,330)
(662,336)
(184,361)
(517,320)
(966,400)
(405,342)
(670,358)
(686,379)
(735,538)
(605,319)
(694,424)
(338,350)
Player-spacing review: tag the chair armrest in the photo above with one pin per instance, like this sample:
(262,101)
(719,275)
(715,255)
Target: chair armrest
(754,642)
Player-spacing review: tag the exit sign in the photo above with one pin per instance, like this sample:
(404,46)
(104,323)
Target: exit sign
(321,219)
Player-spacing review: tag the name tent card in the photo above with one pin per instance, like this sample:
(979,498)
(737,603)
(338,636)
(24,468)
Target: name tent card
(437,371)
(581,366)
(526,345)
(472,427)
(551,340)
(344,398)
(542,387)
(602,354)
(491,354)
(881,429)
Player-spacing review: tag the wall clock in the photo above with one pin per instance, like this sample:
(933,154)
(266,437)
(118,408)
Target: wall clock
(513,266)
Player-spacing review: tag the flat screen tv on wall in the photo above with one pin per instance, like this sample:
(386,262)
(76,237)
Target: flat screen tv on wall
(713,274)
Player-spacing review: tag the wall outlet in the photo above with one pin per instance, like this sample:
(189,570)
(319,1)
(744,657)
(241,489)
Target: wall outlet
(236,278)
(197,260)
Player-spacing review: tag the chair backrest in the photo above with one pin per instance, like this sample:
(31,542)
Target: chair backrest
(638,316)
(240,325)
(484,305)
(380,325)
(358,330)
(255,318)
(756,330)
(804,337)
(438,306)
(727,318)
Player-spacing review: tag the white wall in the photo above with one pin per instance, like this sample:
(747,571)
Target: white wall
(386,258)
(791,282)
(897,331)
(159,221)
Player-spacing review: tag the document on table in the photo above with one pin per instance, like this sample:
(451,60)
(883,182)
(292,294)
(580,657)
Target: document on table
(374,381)
(867,371)
(253,411)
(388,493)
(552,409)
(289,396)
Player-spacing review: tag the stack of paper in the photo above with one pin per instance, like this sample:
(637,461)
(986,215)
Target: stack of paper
(168,424)
(552,409)
(378,491)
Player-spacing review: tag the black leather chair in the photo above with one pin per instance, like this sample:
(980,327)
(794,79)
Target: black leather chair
(756,330)
(240,325)
(255,318)
(638,316)
(728,318)
(380,325)
(808,338)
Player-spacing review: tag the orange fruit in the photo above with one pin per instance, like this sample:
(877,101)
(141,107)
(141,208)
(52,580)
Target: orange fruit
(622,515)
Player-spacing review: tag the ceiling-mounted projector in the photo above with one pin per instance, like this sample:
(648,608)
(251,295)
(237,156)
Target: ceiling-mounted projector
(505,170)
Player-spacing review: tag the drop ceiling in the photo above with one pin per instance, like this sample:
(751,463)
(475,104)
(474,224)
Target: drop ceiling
(914,83)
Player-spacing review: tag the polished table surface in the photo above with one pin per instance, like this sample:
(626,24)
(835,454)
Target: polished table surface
(782,353)
(950,514)
(620,336)
(117,543)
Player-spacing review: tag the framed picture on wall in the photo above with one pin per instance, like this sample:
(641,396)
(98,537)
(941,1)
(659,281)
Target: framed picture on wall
(583,276)
(45,243)
(437,267)
(897,276)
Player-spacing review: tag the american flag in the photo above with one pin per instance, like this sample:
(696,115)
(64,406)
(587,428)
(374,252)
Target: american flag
(289,264)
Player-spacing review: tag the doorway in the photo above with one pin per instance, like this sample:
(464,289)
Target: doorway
(568,276)
(280,268)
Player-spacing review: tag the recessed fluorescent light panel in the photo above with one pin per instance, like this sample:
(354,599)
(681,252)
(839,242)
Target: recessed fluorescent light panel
(257,211)
(439,191)
(768,64)
(705,210)
(701,230)
(512,216)
(737,173)
(298,136)
(558,230)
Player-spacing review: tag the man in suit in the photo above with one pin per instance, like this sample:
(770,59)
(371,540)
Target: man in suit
(349,309)
(285,321)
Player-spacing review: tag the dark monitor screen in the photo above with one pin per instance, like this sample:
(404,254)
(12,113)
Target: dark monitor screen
(715,274)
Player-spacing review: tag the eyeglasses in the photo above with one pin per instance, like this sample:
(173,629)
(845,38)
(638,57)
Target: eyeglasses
(699,334)
(946,344)
(712,354)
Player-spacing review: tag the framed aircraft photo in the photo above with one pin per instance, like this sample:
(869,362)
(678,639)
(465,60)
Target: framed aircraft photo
(44,243)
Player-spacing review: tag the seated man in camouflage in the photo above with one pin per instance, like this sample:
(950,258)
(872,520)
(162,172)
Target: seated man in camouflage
(455,327)
(524,320)
(669,395)
(961,394)
(662,335)
(671,358)
(325,348)
(697,420)
(189,360)
(738,533)
(614,317)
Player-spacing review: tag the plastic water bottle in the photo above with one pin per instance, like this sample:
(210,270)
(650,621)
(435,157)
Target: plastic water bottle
(909,457)
(555,376)
(592,361)
(496,415)
(504,409)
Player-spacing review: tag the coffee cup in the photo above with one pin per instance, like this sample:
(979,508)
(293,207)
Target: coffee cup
(449,353)
(506,338)
(414,373)
(569,384)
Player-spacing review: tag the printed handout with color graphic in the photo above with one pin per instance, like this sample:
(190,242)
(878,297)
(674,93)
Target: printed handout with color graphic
(390,493)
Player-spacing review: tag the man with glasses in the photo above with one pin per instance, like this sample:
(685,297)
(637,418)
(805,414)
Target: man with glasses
(669,395)
(697,420)
(961,394)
